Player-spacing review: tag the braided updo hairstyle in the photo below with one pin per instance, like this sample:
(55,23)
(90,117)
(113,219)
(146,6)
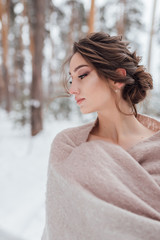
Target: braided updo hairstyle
(107,53)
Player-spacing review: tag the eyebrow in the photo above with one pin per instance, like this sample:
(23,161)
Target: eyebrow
(78,67)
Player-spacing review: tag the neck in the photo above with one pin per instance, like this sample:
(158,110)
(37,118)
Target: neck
(116,126)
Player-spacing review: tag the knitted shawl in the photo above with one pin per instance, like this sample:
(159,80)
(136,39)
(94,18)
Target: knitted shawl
(96,190)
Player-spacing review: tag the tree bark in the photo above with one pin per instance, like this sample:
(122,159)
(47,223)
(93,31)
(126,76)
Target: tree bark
(71,27)
(122,19)
(4,17)
(36,87)
(151,35)
(91,17)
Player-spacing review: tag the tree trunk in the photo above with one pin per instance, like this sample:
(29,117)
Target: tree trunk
(151,36)
(36,87)
(122,18)
(4,17)
(91,17)
(71,27)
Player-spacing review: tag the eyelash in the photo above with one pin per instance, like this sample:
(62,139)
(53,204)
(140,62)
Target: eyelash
(80,76)
(83,75)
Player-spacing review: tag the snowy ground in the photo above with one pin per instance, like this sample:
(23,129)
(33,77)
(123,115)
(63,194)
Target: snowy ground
(23,172)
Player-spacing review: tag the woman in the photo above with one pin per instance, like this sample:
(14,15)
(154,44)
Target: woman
(104,177)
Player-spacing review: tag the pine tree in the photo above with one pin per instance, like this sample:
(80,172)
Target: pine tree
(122,17)
(91,17)
(37,26)
(4,18)
(151,35)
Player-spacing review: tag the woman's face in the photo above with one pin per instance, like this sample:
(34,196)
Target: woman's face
(91,92)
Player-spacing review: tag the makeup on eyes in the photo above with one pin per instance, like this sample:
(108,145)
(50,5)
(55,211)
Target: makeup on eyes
(83,75)
(83,72)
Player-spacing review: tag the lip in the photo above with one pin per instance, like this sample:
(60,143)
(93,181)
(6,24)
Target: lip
(80,100)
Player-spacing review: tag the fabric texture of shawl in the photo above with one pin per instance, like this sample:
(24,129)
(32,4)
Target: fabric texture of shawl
(98,191)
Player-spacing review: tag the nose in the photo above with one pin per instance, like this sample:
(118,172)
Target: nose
(74,89)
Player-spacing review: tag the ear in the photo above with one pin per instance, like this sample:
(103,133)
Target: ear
(121,71)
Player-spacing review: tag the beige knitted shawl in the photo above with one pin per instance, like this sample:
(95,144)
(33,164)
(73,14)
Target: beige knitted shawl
(98,191)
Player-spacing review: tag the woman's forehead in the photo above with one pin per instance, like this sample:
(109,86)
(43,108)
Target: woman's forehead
(77,57)
(76,62)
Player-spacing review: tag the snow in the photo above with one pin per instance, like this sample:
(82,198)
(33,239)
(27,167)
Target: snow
(24,160)
(23,177)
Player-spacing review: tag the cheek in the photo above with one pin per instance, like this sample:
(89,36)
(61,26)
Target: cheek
(97,90)
(102,90)
(94,84)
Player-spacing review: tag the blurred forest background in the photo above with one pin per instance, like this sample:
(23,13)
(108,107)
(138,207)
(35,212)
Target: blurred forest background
(37,35)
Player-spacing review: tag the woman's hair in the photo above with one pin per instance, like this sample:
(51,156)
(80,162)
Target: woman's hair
(107,53)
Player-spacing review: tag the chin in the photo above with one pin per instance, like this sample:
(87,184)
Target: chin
(86,111)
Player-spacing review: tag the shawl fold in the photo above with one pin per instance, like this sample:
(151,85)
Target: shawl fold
(99,191)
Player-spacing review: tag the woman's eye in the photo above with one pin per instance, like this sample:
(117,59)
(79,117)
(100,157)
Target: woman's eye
(83,75)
